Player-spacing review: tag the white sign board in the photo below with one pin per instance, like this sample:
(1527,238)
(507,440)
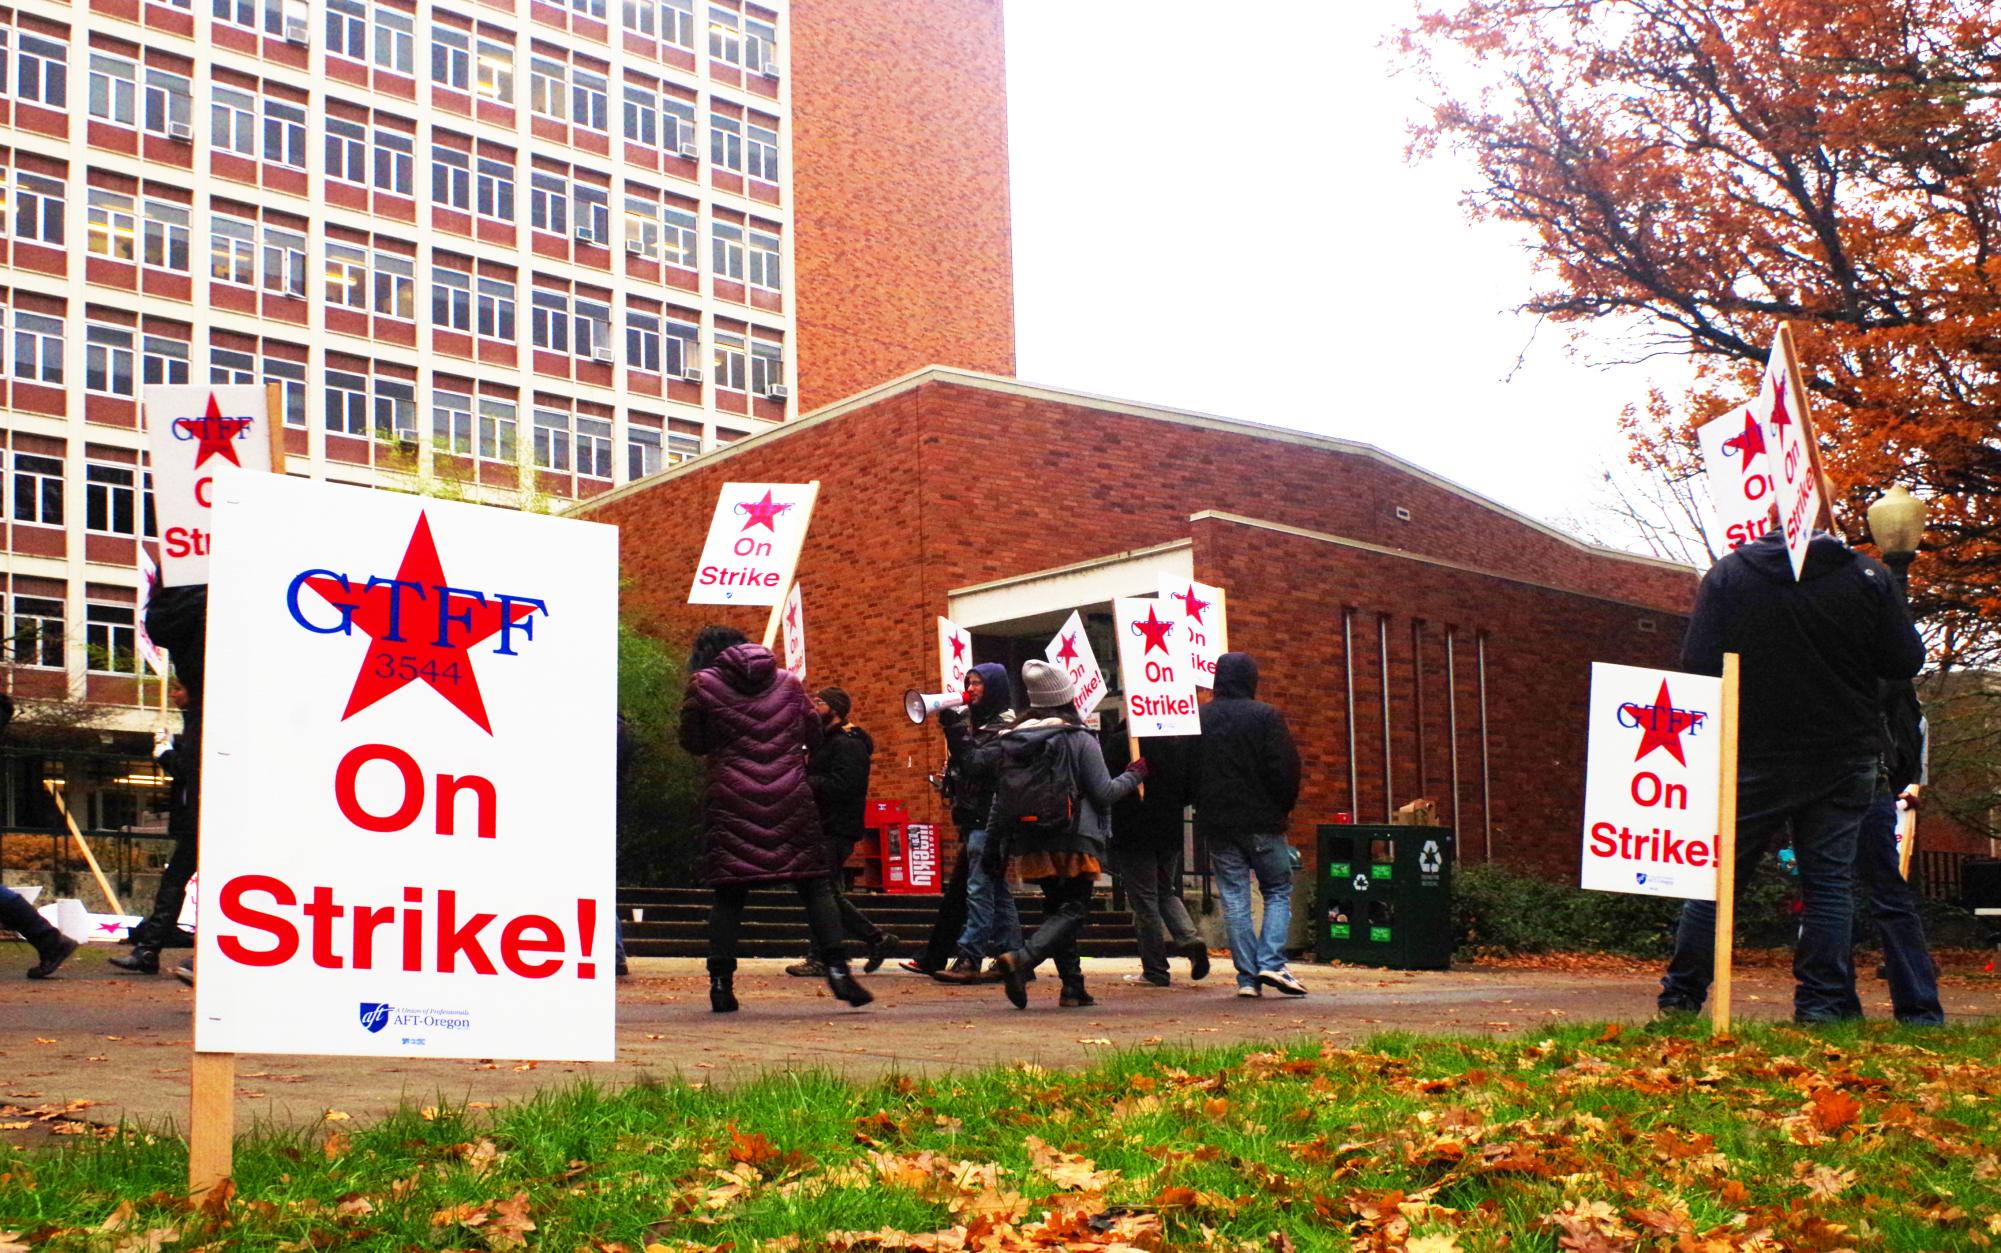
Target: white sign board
(1650,788)
(407,837)
(792,631)
(955,656)
(1740,478)
(1159,683)
(753,544)
(1071,651)
(194,434)
(1792,467)
(1205,621)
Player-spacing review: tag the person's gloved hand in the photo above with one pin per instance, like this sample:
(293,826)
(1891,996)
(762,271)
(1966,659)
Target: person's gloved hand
(1138,769)
(951,715)
(163,739)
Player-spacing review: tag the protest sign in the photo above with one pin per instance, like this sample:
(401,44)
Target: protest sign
(1204,616)
(1071,651)
(753,543)
(194,434)
(1740,478)
(793,628)
(1159,684)
(1651,790)
(407,795)
(1795,463)
(955,656)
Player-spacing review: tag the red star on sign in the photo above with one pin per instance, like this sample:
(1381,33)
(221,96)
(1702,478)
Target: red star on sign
(1069,650)
(420,624)
(217,434)
(762,512)
(1155,631)
(1661,724)
(1750,441)
(1780,418)
(958,647)
(792,617)
(1194,603)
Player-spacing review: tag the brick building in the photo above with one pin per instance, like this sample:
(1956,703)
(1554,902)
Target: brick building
(1463,630)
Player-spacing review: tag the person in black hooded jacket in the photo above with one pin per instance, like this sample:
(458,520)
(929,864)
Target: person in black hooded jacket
(1246,783)
(838,770)
(1147,840)
(1815,651)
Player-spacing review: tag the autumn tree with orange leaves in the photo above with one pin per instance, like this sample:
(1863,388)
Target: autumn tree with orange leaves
(1693,172)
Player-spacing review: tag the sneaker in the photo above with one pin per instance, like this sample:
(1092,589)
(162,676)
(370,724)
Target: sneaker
(185,972)
(962,970)
(1249,991)
(1197,954)
(1145,981)
(880,950)
(1283,981)
(917,967)
(55,957)
(811,968)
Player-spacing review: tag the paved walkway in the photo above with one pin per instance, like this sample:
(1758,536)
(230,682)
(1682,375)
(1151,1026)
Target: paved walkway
(120,1042)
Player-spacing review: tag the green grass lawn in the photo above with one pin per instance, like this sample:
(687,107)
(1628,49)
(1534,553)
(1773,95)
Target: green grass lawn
(1864,1138)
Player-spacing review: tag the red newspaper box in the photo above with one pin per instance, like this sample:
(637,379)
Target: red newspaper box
(905,856)
(920,860)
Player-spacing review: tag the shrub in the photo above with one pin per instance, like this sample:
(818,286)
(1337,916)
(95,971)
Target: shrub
(660,804)
(1501,909)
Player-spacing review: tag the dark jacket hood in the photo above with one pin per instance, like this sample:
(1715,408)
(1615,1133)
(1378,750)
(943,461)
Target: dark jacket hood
(749,668)
(868,741)
(1824,555)
(997,696)
(1237,676)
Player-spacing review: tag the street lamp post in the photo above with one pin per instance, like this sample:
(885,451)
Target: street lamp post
(1897,522)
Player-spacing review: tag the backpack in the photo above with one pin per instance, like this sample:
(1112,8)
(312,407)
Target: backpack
(1036,793)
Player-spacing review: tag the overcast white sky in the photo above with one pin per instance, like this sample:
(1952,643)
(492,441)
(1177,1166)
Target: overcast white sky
(1215,214)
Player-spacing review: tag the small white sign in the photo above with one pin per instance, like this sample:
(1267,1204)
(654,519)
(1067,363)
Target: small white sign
(1071,650)
(1650,787)
(753,543)
(955,656)
(1792,464)
(792,633)
(1205,622)
(426,693)
(1740,478)
(194,434)
(1159,683)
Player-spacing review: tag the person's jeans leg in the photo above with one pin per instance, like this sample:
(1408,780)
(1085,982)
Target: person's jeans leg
(943,943)
(1066,905)
(823,920)
(1139,867)
(976,938)
(1824,840)
(1893,903)
(1272,861)
(1761,813)
(1007,934)
(17,913)
(1233,883)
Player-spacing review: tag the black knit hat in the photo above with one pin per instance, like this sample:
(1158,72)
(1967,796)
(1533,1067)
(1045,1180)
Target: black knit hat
(838,701)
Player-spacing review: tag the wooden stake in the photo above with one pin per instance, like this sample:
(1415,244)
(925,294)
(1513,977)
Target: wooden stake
(1822,484)
(89,858)
(274,424)
(777,613)
(211,1121)
(1726,852)
(1907,823)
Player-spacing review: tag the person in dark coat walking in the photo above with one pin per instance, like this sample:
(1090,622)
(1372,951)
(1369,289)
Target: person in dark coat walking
(1893,902)
(1815,652)
(976,916)
(837,770)
(52,947)
(759,824)
(1246,783)
(1147,840)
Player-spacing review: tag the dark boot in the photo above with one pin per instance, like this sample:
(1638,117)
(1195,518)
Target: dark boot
(58,952)
(962,970)
(843,984)
(1074,996)
(880,950)
(144,959)
(1015,969)
(722,993)
(811,968)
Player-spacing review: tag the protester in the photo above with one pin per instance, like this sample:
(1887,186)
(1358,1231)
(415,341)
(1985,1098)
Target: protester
(1893,902)
(1052,797)
(1815,651)
(759,825)
(1246,783)
(17,914)
(1147,839)
(838,771)
(176,620)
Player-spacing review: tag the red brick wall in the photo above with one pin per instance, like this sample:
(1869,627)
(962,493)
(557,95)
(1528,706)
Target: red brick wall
(902,247)
(949,484)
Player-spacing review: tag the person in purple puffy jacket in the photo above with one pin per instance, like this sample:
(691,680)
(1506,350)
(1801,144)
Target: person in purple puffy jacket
(760,827)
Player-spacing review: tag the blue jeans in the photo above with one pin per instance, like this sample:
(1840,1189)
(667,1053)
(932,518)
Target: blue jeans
(1893,903)
(1822,804)
(1271,861)
(993,925)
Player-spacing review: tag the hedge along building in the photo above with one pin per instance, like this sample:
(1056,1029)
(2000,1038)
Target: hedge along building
(1421,640)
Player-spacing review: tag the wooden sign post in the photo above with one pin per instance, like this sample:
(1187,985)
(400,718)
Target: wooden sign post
(1726,850)
(785,589)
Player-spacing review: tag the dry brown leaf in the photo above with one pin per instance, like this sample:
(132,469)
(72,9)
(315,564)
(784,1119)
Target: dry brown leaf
(1832,1109)
(1825,1182)
(510,1224)
(1432,1244)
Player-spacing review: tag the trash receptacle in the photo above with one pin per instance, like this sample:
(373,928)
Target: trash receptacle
(1385,896)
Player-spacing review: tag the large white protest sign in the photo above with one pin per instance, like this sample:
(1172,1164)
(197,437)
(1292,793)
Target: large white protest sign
(1795,469)
(1205,620)
(1651,785)
(753,543)
(955,656)
(1740,479)
(1159,684)
(1071,650)
(792,630)
(194,434)
(407,796)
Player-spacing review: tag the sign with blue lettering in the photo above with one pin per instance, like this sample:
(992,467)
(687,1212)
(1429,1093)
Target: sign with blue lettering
(193,436)
(1652,782)
(753,543)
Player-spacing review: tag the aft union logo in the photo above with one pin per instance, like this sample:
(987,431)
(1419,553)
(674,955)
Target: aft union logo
(374,1016)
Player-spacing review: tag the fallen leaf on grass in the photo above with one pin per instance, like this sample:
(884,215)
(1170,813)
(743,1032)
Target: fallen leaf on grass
(1832,1109)
(1825,1182)
(335,1115)
(1067,1170)
(1432,1244)
(148,1241)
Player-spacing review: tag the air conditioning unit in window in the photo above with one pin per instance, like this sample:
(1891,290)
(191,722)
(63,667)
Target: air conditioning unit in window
(636,246)
(690,149)
(585,235)
(770,71)
(601,355)
(181,132)
(692,374)
(295,33)
(777,391)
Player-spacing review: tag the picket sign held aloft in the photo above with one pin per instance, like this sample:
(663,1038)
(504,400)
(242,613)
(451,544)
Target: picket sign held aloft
(1204,614)
(1159,683)
(1071,651)
(955,655)
(753,543)
(1739,473)
(1651,788)
(194,435)
(1795,461)
(792,630)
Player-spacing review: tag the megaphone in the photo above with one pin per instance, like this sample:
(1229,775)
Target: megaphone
(917,706)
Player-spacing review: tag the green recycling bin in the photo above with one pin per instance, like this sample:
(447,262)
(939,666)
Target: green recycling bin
(1385,896)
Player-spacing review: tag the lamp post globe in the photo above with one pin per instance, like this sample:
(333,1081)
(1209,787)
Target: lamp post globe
(1897,523)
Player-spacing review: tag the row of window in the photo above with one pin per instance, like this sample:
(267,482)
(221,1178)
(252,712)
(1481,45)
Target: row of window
(36,635)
